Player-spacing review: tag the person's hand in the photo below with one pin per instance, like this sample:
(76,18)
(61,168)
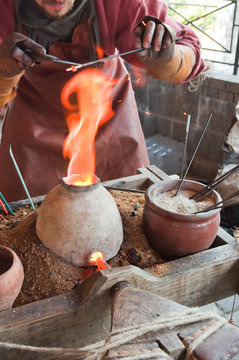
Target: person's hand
(14,54)
(156,38)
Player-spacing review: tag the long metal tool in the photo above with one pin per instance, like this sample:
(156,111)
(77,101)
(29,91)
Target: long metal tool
(20,177)
(195,151)
(75,68)
(185,144)
(200,195)
(45,58)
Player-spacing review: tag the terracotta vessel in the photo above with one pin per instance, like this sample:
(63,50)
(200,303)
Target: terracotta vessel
(173,234)
(74,220)
(11,277)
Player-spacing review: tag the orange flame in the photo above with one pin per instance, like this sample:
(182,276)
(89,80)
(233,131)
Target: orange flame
(97,258)
(93,90)
(100,52)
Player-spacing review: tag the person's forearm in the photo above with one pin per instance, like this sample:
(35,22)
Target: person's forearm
(177,69)
(7,88)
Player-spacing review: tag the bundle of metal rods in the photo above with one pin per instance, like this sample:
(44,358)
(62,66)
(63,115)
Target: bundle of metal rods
(200,195)
(228,201)
(223,203)
(194,153)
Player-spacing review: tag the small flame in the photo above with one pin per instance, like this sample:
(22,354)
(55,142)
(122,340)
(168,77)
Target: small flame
(97,258)
(93,90)
(100,52)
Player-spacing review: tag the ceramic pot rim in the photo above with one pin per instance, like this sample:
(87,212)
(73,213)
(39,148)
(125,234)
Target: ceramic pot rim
(77,188)
(172,184)
(10,252)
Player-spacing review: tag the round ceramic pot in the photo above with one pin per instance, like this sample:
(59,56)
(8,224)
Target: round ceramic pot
(74,220)
(173,234)
(11,277)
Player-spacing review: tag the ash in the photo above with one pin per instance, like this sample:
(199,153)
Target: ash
(181,203)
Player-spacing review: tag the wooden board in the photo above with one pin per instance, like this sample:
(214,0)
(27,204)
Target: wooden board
(82,316)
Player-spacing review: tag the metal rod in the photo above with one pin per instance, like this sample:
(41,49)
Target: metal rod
(3,206)
(6,204)
(235,69)
(222,202)
(195,151)
(222,206)
(21,178)
(75,67)
(210,187)
(124,189)
(185,145)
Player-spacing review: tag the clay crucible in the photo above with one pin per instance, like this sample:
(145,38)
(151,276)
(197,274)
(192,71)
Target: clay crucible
(74,220)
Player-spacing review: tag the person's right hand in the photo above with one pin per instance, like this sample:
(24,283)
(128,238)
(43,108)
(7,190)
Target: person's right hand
(14,52)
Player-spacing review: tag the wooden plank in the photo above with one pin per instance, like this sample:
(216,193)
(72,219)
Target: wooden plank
(160,175)
(194,281)
(131,182)
(227,238)
(153,177)
(132,307)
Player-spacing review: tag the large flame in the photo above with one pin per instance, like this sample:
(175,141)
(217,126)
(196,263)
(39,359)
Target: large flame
(93,90)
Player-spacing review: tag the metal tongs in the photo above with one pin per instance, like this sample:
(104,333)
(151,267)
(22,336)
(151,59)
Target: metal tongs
(75,66)
(45,58)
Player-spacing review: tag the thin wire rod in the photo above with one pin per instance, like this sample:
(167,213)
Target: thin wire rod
(210,187)
(185,144)
(124,189)
(224,201)
(195,151)
(20,177)
(75,67)
(222,206)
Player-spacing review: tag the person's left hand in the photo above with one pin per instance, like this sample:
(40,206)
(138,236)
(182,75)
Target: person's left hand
(156,38)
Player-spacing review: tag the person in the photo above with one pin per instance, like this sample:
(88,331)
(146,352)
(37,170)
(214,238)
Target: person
(35,124)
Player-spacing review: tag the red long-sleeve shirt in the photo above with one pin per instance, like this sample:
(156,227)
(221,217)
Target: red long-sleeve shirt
(117,20)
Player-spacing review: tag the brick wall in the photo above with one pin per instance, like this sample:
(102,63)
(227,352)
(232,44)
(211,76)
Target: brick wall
(162,107)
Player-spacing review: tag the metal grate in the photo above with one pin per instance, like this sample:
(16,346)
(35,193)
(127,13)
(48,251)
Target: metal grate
(216,22)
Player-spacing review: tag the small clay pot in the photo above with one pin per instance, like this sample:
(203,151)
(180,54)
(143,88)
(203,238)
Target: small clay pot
(11,277)
(74,220)
(173,234)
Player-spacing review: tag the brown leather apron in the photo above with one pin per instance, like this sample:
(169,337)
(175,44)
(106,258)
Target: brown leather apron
(35,126)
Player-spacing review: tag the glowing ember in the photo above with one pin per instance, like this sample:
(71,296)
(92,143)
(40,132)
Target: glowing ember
(93,90)
(140,77)
(97,258)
